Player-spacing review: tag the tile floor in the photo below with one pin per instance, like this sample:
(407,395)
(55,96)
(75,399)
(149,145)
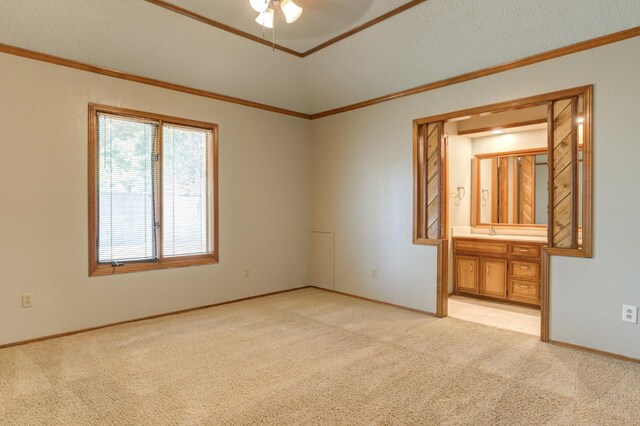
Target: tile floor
(499,315)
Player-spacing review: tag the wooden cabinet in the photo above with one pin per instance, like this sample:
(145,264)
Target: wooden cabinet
(505,270)
(467,273)
(494,277)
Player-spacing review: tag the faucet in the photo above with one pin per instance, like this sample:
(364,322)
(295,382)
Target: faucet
(492,231)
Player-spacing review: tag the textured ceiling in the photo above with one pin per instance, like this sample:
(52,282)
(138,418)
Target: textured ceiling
(439,39)
(138,37)
(432,41)
(321,20)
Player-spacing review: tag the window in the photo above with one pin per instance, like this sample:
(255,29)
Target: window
(152,191)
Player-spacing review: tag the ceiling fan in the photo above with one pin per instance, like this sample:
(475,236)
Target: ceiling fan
(266,10)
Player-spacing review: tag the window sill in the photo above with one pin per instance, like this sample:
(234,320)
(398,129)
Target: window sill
(102,269)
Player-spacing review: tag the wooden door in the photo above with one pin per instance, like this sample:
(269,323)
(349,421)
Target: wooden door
(430,208)
(467,274)
(563,173)
(527,198)
(503,192)
(494,277)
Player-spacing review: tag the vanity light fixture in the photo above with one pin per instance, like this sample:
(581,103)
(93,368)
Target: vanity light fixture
(497,132)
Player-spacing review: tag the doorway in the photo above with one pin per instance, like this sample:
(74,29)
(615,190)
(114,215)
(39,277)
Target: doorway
(498,177)
(505,252)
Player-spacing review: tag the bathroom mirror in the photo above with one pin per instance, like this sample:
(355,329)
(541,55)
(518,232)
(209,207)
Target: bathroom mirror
(512,188)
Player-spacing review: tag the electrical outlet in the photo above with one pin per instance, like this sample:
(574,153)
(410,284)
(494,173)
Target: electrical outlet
(630,314)
(246,273)
(27,300)
(374,273)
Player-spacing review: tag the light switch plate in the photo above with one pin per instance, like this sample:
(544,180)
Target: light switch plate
(630,314)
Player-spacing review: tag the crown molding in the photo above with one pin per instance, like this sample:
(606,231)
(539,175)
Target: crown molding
(44,57)
(217,24)
(552,54)
(529,60)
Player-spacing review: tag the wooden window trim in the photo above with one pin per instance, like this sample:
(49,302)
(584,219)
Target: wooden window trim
(98,269)
(586,249)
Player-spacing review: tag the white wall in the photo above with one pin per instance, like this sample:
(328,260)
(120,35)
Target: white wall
(362,187)
(141,38)
(263,194)
(459,158)
(486,187)
(510,142)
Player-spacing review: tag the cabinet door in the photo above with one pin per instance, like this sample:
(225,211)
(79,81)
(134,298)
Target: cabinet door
(467,274)
(494,277)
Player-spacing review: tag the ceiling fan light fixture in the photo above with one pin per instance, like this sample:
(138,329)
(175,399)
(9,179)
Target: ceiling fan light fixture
(259,5)
(291,10)
(266,18)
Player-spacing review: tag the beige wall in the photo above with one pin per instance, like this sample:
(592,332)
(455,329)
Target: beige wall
(362,188)
(264,203)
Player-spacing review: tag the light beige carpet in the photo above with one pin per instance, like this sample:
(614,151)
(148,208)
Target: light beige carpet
(311,357)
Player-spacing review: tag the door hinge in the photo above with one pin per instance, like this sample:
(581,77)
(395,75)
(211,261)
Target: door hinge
(155,157)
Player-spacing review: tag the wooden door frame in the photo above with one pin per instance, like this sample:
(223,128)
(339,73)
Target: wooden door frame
(585,251)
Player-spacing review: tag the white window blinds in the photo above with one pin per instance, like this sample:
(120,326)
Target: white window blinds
(186,197)
(126,181)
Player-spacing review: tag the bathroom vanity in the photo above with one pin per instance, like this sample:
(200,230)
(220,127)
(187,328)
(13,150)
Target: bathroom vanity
(498,268)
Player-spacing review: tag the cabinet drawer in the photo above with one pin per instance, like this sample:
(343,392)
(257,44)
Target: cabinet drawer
(524,250)
(481,246)
(525,270)
(524,289)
